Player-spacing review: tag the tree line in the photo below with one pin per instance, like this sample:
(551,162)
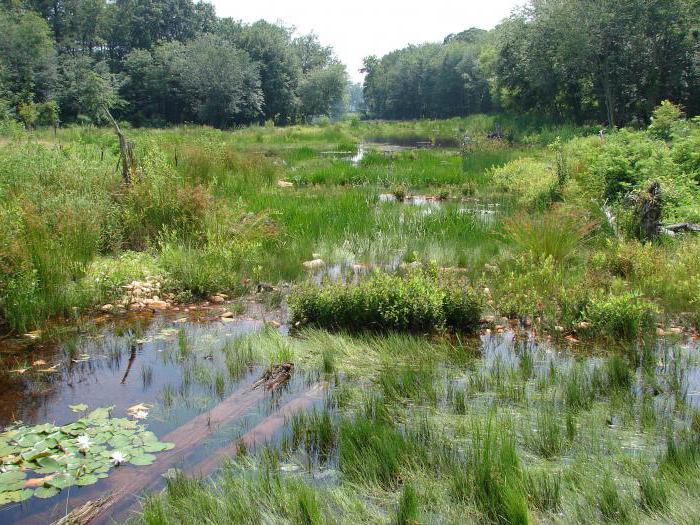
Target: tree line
(608,61)
(159,62)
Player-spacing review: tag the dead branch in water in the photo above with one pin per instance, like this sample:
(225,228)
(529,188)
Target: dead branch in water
(275,376)
(88,511)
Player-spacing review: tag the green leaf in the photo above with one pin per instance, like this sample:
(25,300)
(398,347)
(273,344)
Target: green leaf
(87,479)
(62,482)
(119,441)
(11,481)
(81,407)
(29,440)
(100,413)
(48,465)
(46,492)
(142,460)
(7,450)
(15,496)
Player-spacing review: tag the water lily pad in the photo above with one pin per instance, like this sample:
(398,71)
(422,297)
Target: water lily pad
(157,446)
(15,496)
(50,458)
(119,441)
(6,450)
(87,479)
(46,492)
(62,482)
(48,465)
(143,459)
(29,440)
(100,413)
(11,481)
(81,407)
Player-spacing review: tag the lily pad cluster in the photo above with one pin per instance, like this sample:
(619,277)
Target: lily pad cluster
(44,459)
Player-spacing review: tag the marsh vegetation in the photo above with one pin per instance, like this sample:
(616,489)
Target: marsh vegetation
(497,348)
(300,315)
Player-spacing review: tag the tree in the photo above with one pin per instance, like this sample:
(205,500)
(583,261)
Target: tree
(312,54)
(597,59)
(270,46)
(322,89)
(142,24)
(86,88)
(222,82)
(27,57)
(430,80)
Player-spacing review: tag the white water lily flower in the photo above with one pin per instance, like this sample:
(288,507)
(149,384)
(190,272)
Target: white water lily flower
(118,458)
(83,443)
(140,414)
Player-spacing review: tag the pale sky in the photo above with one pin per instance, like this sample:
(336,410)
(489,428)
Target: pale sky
(359,28)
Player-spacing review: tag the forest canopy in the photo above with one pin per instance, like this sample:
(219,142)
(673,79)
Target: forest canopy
(163,62)
(578,60)
(159,62)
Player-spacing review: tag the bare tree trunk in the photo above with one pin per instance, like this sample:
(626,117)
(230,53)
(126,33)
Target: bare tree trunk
(126,149)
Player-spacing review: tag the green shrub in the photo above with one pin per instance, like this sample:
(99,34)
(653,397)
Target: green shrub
(533,182)
(415,303)
(685,151)
(624,316)
(664,119)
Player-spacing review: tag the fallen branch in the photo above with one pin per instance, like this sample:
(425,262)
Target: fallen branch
(682,227)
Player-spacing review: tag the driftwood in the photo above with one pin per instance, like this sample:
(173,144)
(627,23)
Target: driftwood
(682,227)
(128,160)
(87,512)
(127,482)
(275,376)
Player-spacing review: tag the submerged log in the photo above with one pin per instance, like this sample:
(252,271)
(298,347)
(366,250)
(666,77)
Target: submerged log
(126,482)
(87,512)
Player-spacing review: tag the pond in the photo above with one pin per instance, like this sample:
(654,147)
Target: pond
(397,143)
(193,375)
(186,372)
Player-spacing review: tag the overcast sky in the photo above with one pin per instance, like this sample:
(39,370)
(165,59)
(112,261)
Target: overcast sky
(360,28)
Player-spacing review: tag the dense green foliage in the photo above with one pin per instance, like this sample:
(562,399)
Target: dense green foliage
(415,303)
(156,63)
(577,60)
(431,80)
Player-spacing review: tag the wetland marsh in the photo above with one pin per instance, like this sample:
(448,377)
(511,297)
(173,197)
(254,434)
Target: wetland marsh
(472,341)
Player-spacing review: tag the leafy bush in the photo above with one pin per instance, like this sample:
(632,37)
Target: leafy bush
(533,182)
(624,316)
(628,162)
(670,273)
(417,303)
(664,119)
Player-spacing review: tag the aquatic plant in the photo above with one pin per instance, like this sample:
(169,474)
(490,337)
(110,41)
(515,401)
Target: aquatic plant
(44,459)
